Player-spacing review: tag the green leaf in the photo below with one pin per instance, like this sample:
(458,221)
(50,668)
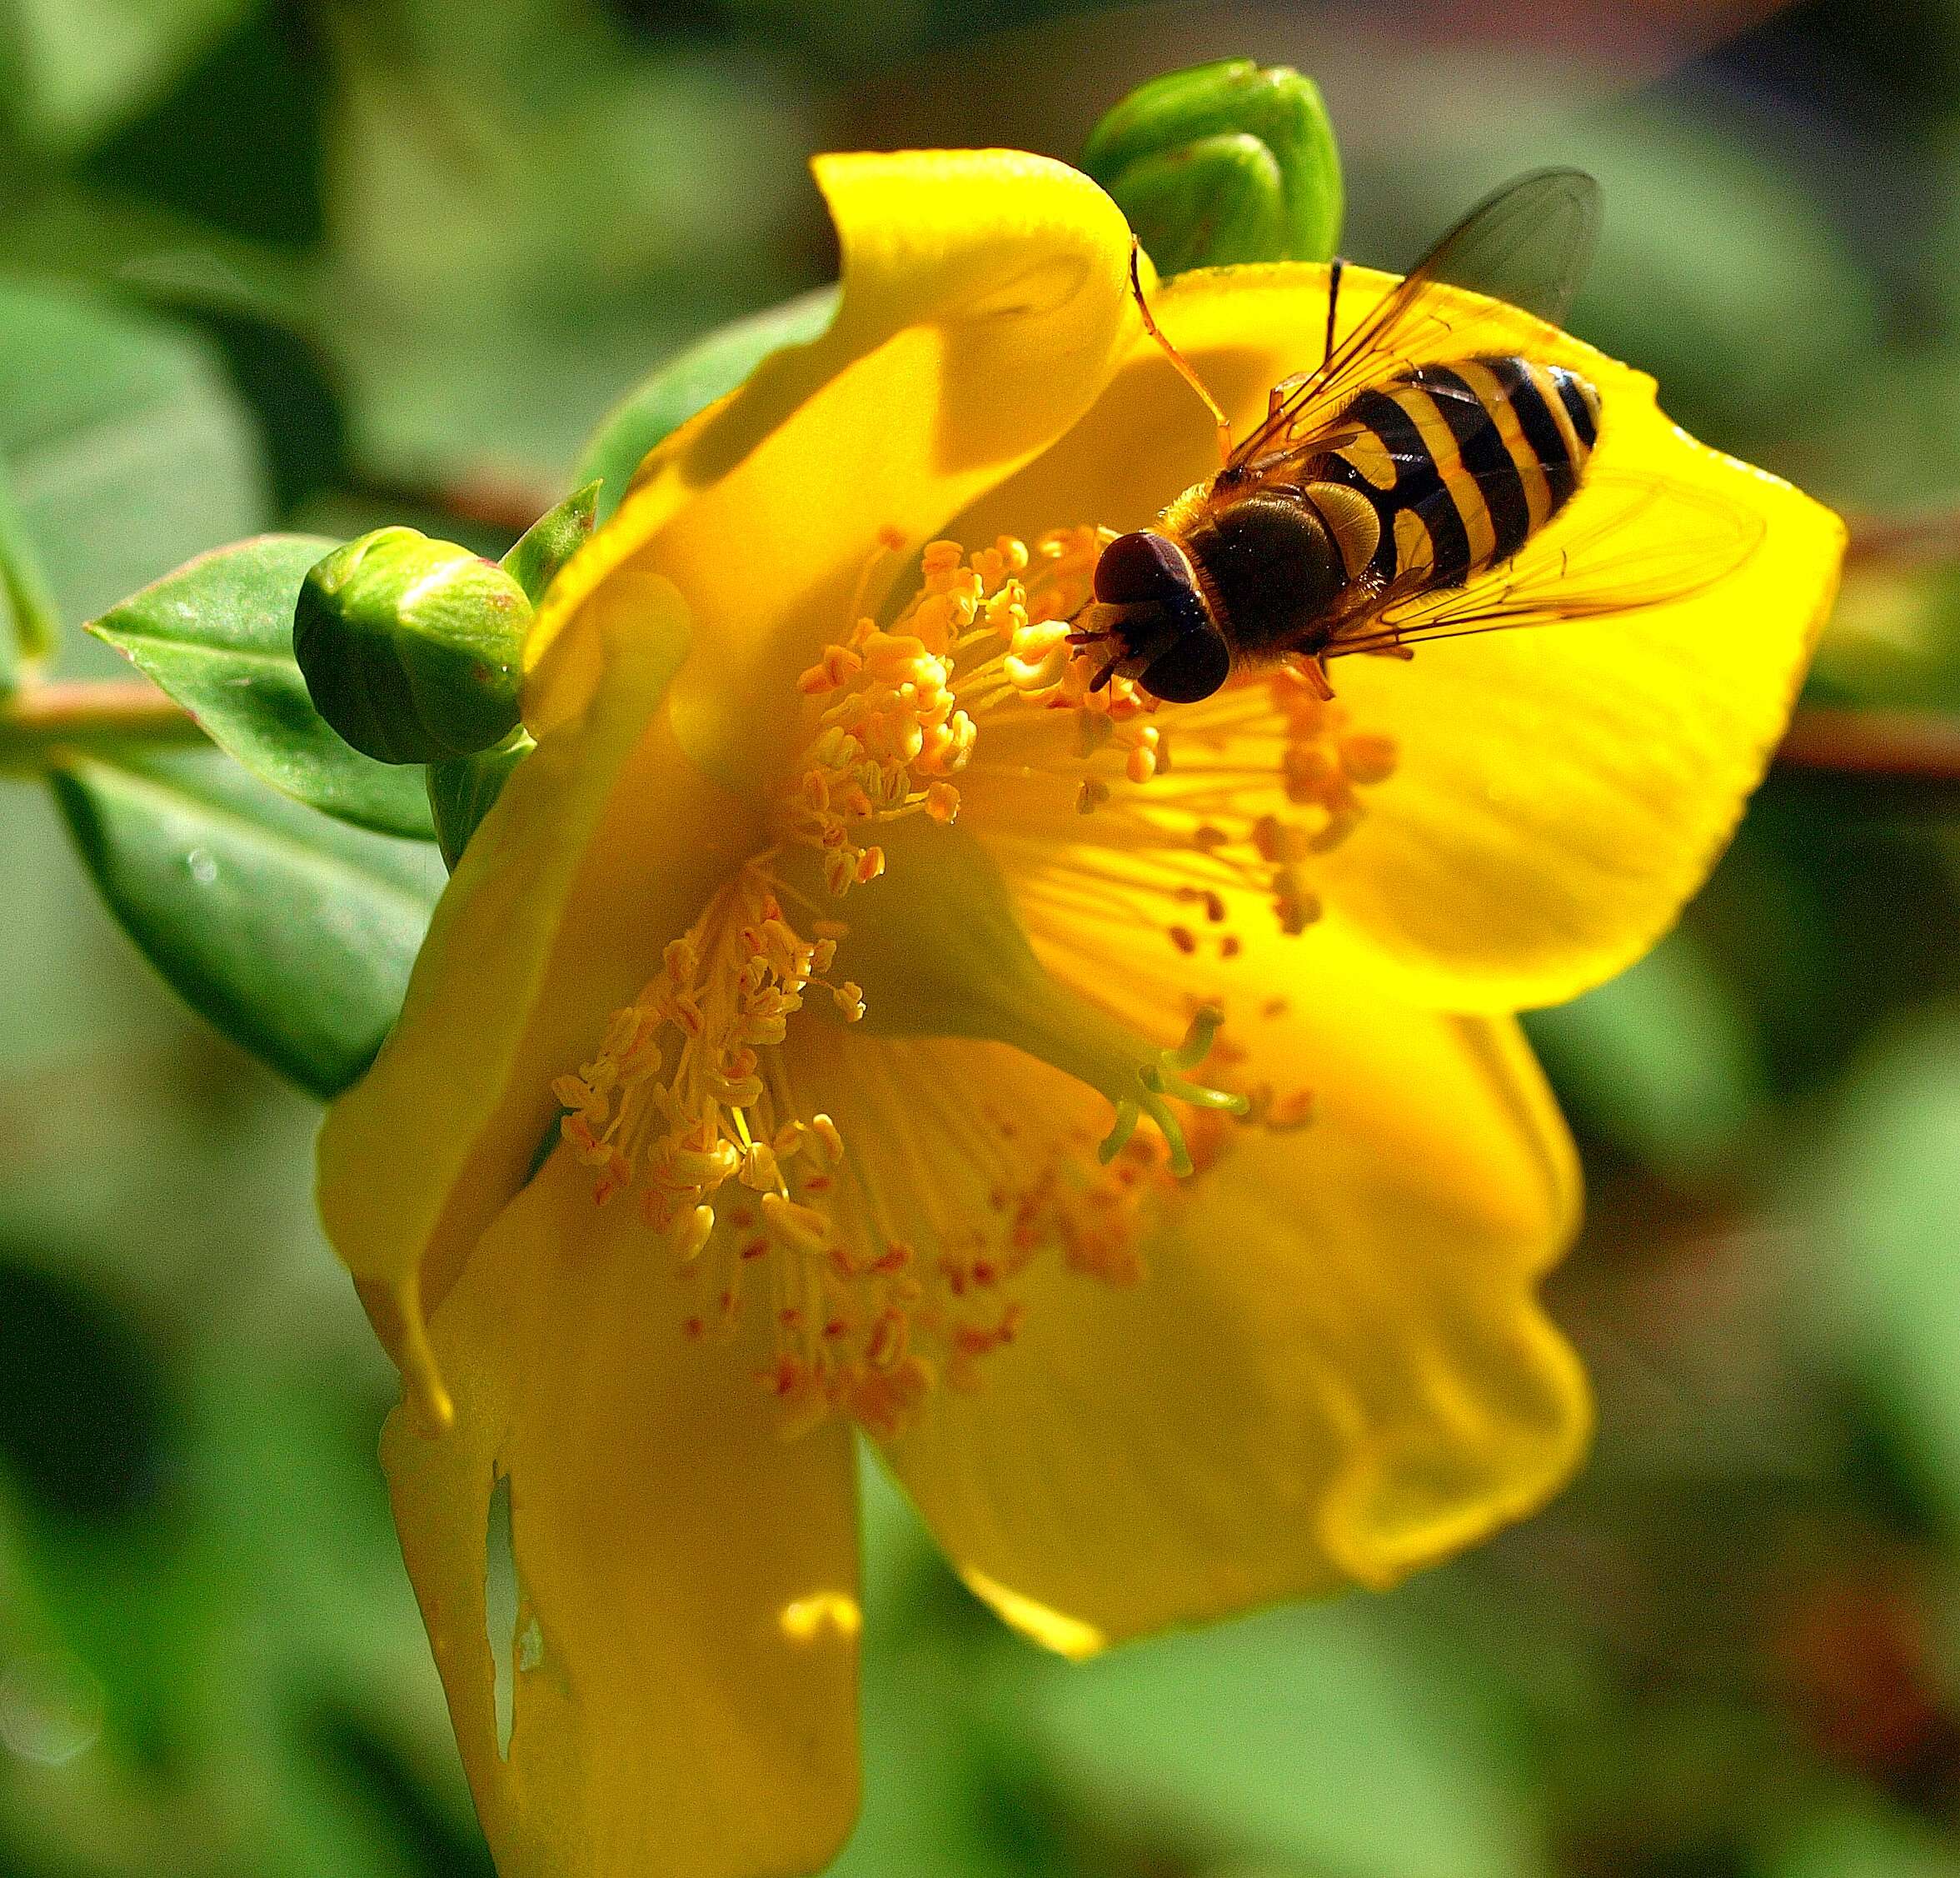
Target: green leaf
(1325,1738)
(83,66)
(690,382)
(293,933)
(1886,1307)
(127,448)
(30,623)
(1658,1061)
(550,540)
(218,636)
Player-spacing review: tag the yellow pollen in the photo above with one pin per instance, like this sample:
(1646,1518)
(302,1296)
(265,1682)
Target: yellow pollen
(1268,775)
(880,1275)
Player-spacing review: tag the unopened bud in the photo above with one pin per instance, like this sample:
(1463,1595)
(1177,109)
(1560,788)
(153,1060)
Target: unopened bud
(1222,164)
(411,647)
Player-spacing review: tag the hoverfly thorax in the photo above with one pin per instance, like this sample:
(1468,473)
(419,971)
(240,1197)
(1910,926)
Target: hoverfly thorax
(1431,478)
(1272,567)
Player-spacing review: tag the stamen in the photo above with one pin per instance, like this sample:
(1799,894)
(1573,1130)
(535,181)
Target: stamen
(883,1269)
(1268,776)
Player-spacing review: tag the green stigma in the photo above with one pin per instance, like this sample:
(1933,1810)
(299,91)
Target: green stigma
(1167,1079)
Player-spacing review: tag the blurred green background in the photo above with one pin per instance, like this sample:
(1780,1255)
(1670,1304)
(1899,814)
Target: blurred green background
(330,263)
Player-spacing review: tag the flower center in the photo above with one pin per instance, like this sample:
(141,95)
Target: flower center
(886,1252)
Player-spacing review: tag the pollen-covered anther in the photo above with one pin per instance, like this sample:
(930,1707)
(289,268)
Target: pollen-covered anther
(882,748)
(1039,655)
(1325,762)
(691,1238)
(801,1228)
(1296,905)
(872,1286)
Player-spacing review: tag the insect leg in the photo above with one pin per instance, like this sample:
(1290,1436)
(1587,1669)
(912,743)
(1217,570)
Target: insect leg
(1313,667)
(1100,681)
(1176,358)
(1282,392)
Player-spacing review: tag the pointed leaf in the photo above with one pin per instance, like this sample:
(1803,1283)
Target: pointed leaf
(126,447)
(290,933)
(462,792)
(218,636)
(30,621)
(690,382)
(550,540)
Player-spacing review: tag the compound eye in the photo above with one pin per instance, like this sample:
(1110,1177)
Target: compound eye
(1139,567)
(1193,668)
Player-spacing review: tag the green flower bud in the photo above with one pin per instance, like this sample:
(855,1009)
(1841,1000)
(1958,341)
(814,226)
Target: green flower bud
(1222,163)
(411,647)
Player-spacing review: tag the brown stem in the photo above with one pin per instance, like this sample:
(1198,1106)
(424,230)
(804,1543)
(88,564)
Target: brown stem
(1872,746)
(41,718)
(506,505)
(1922,536)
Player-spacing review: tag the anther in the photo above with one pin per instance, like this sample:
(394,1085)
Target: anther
(794,1225)
(693,1237)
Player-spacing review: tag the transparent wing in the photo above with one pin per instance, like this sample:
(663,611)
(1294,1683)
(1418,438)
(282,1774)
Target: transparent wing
(1625,542)
(1527,246)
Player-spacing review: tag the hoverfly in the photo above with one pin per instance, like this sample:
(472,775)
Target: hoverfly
(1401,490)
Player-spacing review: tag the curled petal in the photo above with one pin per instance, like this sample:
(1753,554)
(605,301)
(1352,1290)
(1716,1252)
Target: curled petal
(681,1669)
(985,301)
(1558,791)
(1336,1369)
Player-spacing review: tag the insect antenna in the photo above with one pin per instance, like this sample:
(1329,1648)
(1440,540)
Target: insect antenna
(1176,358)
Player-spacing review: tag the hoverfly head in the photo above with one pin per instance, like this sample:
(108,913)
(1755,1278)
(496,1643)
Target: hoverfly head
(1149,607)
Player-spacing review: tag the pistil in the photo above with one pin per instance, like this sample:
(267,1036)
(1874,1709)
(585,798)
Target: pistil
(877,1285)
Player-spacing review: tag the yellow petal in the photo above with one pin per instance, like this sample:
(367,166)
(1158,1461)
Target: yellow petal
(1560,792)
(966,273)
(683,1670)
(601,848)
(985,301)
(1337,1370)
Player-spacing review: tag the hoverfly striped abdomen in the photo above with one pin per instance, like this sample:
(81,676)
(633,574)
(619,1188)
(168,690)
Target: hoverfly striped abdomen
(1463,461)
(1381,505)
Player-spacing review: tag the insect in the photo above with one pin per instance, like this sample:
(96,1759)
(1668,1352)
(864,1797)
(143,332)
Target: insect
(1406,488)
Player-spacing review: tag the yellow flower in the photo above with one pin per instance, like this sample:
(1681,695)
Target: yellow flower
(865,976)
